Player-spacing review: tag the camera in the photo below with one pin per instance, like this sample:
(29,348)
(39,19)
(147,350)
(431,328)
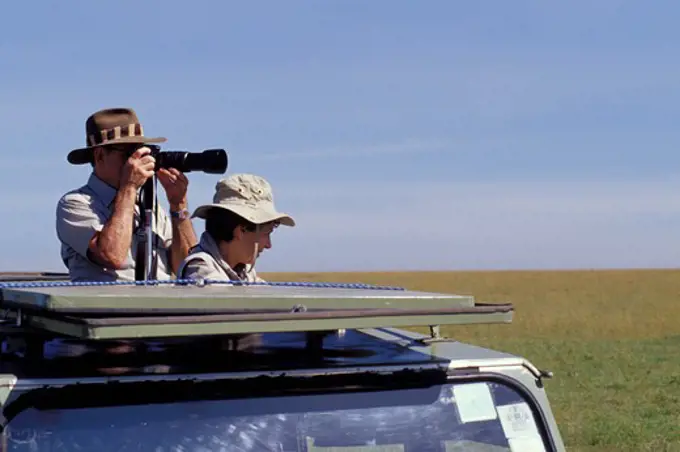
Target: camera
(212,161)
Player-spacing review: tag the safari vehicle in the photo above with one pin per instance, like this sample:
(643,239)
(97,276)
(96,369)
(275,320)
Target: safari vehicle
(217,366)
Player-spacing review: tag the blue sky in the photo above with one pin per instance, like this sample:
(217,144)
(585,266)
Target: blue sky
(400,135)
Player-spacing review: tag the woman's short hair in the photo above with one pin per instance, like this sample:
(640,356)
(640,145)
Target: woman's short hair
(221,223)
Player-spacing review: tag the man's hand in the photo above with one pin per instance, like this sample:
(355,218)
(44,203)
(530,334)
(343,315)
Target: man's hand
(175,184)
(111,246)
(138,168)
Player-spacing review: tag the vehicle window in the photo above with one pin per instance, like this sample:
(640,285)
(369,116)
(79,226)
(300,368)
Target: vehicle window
(471,416)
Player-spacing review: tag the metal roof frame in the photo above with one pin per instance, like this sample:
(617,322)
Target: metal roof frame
(179,309)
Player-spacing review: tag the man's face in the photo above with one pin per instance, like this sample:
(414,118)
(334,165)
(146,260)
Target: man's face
(110,160)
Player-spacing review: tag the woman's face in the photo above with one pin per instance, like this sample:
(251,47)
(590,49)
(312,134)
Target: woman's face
(247,241)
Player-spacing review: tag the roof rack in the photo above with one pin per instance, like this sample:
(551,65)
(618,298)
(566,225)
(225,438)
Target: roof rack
(155,309)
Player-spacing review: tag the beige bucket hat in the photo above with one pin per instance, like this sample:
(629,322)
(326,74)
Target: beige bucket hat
(248,196)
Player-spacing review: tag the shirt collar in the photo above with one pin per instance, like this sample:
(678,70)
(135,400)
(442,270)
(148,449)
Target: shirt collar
(101,189)
(208,244)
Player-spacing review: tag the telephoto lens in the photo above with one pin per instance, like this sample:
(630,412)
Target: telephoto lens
(211,161)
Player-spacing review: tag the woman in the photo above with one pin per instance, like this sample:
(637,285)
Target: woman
(238,227)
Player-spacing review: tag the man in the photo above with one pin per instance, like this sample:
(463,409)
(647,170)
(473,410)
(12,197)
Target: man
(238,226)
(98,224)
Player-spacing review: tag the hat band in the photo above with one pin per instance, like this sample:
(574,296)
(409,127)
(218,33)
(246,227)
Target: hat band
(131,130)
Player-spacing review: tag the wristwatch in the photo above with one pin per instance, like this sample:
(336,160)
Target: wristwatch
(181,214)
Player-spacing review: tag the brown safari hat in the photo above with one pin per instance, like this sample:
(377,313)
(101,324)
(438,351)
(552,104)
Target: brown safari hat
(110,126)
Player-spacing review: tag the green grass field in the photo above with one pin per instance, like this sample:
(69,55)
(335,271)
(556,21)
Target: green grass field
(612,339)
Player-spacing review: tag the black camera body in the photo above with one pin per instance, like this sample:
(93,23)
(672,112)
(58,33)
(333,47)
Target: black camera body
(211,161)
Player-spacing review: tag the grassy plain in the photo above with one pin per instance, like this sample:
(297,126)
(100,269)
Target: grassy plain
(612,339)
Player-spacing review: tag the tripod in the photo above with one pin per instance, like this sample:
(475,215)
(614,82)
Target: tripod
(146,267)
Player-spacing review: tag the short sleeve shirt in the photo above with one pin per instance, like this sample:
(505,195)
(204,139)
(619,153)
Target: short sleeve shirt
(84,211)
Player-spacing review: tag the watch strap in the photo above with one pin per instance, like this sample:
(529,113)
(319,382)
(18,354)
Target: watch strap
(182,214)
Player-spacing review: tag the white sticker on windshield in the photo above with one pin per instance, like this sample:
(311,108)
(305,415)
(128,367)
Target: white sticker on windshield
(474,402)
(517,421)
(533,444)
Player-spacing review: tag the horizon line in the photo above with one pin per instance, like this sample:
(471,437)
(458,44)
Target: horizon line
(482,270)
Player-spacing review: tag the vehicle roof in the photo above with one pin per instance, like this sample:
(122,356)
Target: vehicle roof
(180,308)
(261,352)
(216,326)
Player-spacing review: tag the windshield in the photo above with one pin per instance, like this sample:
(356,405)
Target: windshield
(471,416)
